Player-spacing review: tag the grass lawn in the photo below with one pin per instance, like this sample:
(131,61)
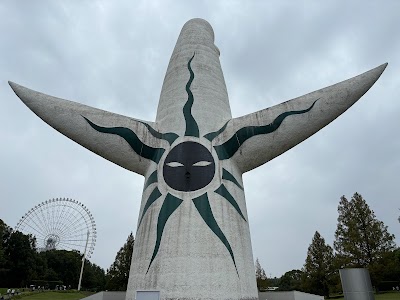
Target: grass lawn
(386,296)
(4,290)
(57,296)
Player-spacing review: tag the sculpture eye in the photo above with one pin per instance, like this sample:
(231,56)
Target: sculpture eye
(202,163)
(174,164)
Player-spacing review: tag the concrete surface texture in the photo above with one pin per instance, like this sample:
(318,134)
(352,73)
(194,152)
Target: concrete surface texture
(193,239)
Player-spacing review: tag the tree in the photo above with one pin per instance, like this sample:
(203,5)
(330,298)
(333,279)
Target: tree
(93,277)
(291,281)
(387,272)
(20,251)
(118,274)
(361,240)
(261,277)
(21,265)
(65,266)
(5,233)
(318,268)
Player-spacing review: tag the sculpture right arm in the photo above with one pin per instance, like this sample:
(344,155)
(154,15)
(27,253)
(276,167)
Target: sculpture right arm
(255,139)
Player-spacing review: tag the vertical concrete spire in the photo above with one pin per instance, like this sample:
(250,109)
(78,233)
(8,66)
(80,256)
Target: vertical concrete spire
(208,86)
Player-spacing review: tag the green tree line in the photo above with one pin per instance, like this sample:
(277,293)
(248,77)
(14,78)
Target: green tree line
(21,265)
(361,241)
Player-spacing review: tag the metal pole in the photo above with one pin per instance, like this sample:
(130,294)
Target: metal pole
(83,262)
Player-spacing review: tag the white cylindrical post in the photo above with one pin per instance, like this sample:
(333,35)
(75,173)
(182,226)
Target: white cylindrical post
(83,262)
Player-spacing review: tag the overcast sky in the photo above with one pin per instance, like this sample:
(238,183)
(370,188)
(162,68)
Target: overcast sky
(113,55)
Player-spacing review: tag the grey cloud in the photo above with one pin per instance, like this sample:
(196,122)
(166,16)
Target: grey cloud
(114,56)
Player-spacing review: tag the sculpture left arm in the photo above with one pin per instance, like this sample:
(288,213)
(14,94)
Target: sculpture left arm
(255,139)
(130,143)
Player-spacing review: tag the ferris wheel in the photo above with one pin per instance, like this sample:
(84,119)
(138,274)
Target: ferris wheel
(61,224)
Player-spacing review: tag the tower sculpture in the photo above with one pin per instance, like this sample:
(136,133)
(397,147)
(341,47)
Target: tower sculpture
(193,239)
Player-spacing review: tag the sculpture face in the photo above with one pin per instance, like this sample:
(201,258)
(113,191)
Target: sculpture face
(189,166)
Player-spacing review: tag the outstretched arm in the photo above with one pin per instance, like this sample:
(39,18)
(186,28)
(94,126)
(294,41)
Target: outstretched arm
(255,139)
(130,143)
